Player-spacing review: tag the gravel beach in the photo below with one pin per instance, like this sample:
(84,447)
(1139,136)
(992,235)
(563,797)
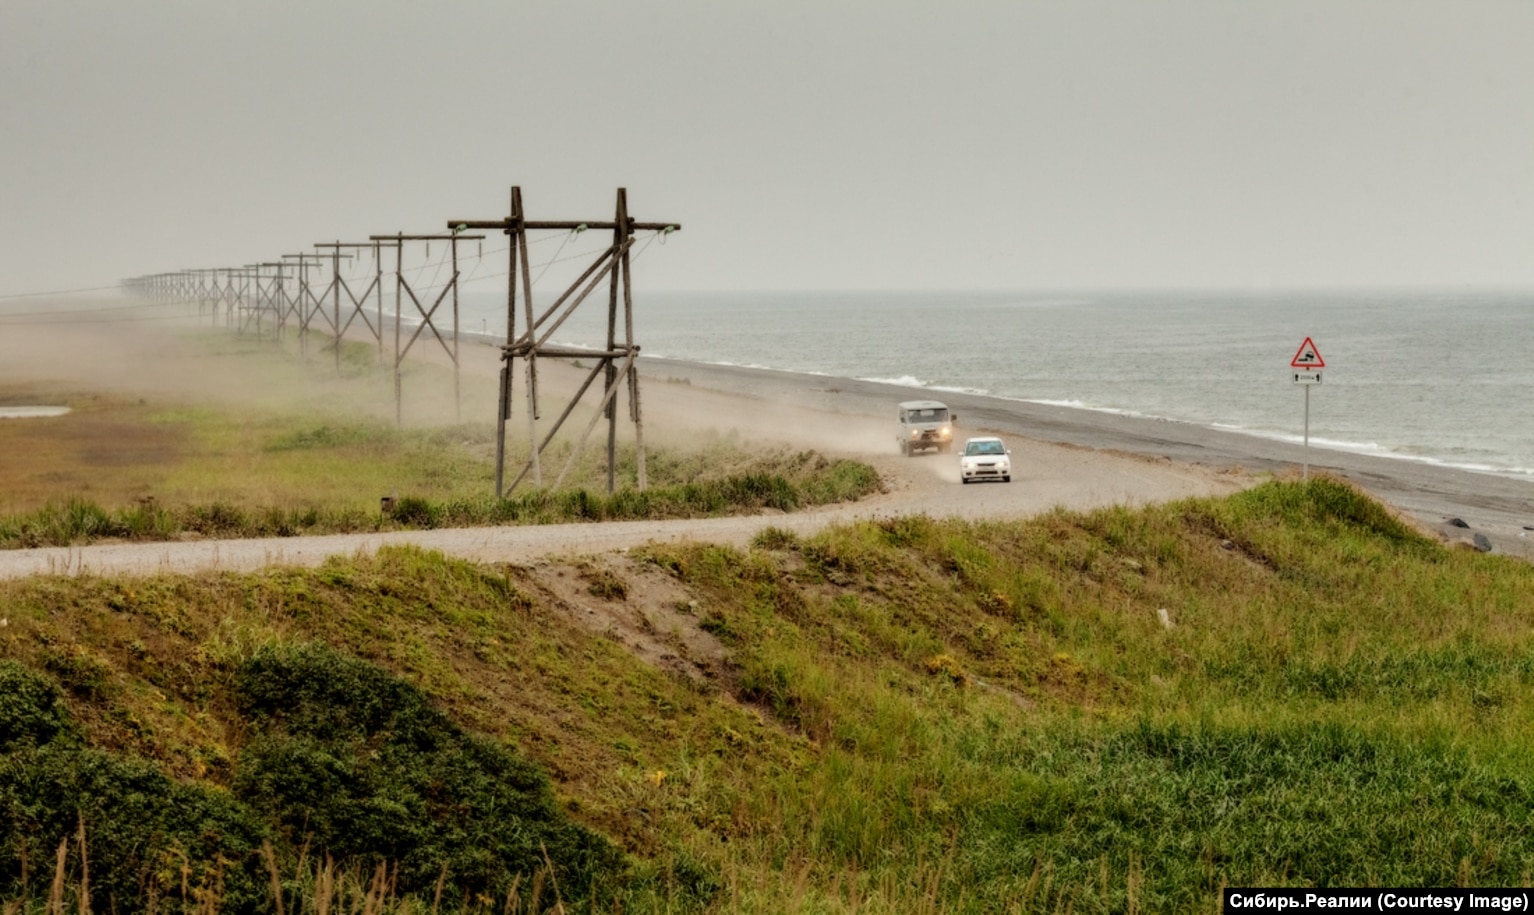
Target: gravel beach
(1498,507)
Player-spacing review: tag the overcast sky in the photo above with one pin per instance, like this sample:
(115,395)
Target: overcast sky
(869,144)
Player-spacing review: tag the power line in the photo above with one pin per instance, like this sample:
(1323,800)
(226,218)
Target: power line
(55,312)
(6,322)
(39,295)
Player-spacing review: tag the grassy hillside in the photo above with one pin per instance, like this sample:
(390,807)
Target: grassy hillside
(1120,711)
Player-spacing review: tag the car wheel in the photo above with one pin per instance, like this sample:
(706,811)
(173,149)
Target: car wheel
(1006,479)
(964,480)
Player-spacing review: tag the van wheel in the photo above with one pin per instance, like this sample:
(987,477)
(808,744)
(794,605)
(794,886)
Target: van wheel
(905,448)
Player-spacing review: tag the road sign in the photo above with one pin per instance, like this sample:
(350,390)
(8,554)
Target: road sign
(1308,357)
(1309,362)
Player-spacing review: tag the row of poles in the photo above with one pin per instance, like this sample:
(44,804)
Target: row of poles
(272,296)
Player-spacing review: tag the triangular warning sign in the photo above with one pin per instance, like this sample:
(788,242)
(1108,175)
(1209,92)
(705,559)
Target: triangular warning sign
(1308,357)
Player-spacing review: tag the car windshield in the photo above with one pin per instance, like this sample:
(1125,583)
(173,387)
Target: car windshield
(928,416)
(984,448)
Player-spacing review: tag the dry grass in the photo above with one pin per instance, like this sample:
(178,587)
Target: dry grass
(312,887)
(105,449)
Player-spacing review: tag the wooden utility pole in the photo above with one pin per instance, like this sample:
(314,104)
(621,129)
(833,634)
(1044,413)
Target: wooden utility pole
(224,298)
(402,288)
(262,296)
(616,363)
(300,303)
(245,297)
(338,284)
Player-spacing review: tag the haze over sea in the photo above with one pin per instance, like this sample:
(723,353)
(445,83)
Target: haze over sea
(1438,376)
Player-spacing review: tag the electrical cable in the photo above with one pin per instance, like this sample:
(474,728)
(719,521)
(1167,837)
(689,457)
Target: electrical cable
(355,272)
(560,250)
(7,323)
(39,295)
(55,312)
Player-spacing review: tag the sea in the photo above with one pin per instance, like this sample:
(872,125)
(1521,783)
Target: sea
(1436,376)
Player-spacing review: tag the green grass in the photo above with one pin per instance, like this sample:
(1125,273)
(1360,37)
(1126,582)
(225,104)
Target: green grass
(785,482)
(713,480)
(1338,701)
(916,715)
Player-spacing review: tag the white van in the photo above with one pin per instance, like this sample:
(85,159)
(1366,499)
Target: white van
(924,424)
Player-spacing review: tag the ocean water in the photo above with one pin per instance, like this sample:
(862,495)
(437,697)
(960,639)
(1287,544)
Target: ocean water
(1443,377)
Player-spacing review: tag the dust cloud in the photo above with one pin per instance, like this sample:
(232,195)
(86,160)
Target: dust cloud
(115,348)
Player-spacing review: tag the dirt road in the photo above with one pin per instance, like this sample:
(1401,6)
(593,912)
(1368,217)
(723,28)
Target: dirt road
(1050,475)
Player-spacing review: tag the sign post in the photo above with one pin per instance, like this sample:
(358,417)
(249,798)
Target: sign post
(1307,365)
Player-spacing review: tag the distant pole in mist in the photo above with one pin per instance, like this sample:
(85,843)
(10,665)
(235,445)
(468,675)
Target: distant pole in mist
(427,314)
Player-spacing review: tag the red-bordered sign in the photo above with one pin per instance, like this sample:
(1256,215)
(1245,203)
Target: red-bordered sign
(1308,357)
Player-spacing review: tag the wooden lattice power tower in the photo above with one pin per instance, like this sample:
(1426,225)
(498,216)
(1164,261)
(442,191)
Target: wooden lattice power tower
(615,363)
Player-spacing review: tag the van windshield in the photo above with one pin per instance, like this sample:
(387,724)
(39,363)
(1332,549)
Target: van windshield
(928,416)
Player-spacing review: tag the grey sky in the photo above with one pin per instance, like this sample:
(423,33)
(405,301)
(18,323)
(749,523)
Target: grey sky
(804,145)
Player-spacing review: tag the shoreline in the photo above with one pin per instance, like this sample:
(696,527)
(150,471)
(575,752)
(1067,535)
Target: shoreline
(940,393)
(1499,507)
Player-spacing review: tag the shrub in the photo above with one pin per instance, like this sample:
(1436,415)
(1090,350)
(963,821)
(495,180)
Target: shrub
(31,709)
(348,759)
(775,538)
(214,519)
(140,827)
(413,511)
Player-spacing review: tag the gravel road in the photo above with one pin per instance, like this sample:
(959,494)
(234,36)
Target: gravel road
(1053,475)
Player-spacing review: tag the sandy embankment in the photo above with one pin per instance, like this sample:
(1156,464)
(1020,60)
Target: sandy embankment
(1072,458)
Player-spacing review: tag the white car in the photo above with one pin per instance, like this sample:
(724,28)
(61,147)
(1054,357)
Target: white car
(985,459)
